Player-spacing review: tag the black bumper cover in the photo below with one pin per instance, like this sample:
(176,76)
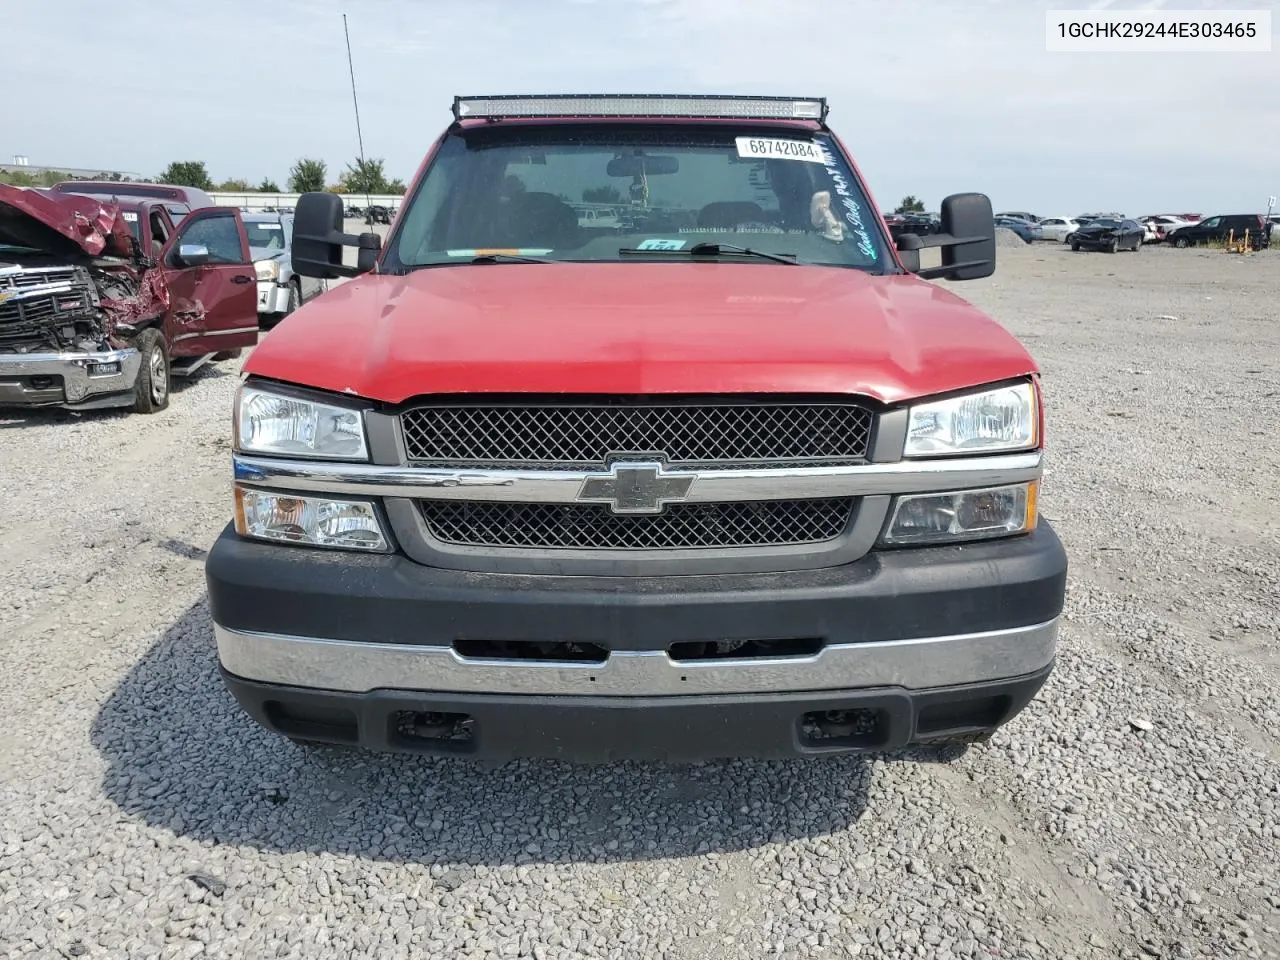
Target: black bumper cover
(672,729)
(887,595)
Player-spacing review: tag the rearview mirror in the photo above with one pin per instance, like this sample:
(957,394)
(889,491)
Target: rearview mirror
(639,163)
(193,254)
(318,238)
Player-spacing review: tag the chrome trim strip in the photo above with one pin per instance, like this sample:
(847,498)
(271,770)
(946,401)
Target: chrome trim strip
(356,667)
(214,333)
(712,486)
(17,362)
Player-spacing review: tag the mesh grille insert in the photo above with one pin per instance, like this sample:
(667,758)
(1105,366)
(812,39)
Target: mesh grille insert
(595,527)
(560,435)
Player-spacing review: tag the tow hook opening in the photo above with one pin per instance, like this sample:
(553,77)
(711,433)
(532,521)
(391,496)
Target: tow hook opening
(858,727)
(694,650)
(552,651)
(430,727)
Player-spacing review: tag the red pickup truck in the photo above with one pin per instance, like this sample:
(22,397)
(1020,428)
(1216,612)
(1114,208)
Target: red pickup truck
(725,477)
(103,300)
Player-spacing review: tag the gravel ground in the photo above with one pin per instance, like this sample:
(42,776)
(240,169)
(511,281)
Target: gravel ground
(1131,811)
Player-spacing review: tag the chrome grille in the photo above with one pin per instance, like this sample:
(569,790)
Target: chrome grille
(24,278)
(25,315)
(763,523)
(36,298)
(692,433)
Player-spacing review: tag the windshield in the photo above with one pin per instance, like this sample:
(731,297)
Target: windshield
(608,193)
(265,234)
(1104,222)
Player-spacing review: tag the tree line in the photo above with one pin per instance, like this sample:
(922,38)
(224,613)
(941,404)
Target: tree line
(306,176)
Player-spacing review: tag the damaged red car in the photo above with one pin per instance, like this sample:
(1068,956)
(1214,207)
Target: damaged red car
(102,303)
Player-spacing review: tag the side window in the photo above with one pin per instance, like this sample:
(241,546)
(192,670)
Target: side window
(159,232)
(219,234)
(1211,222)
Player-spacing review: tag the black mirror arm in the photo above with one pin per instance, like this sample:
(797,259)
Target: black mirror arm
(946,272)
(935,240)
(342,239)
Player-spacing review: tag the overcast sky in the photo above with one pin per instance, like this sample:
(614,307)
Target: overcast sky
(932,96)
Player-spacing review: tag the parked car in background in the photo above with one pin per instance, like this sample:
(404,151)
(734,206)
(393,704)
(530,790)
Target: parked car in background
(1058,229)
(280,290)
(1159,226)
(1109,234)
(1027,230)
(377,214)
(921,224)
(1220,228)
(1029,217)
(101,303)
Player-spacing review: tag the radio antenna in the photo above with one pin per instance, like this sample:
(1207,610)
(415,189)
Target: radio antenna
(364,170)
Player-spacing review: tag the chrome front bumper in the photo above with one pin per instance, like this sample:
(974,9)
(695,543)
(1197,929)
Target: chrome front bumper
(272,297)
(69,379)
(914,664)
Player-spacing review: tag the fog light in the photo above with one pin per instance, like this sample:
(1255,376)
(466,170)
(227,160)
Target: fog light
(963,515)
(309,521)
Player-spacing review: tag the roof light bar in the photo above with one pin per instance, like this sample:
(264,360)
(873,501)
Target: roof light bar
(644,105)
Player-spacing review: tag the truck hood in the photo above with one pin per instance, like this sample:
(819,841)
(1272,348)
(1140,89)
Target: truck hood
(639,328)
(62,224)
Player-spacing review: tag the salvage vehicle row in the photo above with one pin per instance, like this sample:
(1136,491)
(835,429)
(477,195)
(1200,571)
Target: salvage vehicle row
(102,301)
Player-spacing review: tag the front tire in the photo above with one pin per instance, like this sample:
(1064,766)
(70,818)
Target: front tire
(1113,246)
(295,297)
(1181,242)
(1075,246)
(151,392)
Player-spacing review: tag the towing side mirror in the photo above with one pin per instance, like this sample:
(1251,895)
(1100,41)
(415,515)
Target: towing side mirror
(369,247)
(318,239)
(967,239)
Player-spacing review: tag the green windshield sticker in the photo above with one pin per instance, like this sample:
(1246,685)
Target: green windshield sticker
(657,244)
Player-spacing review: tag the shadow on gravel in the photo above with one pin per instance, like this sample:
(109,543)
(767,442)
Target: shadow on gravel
(16,418)
(181,756)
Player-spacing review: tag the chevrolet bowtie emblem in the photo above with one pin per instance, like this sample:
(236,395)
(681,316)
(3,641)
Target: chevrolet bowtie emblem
(636,488)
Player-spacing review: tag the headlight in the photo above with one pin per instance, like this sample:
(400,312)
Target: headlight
(309,521)
(274,423)
(267,269)
(1004,418)
(963,515)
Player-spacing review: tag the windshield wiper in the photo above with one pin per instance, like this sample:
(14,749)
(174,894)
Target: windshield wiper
(713,249)
(508,258)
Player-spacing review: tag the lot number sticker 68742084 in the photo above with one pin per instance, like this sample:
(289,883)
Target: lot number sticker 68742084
(770,148)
